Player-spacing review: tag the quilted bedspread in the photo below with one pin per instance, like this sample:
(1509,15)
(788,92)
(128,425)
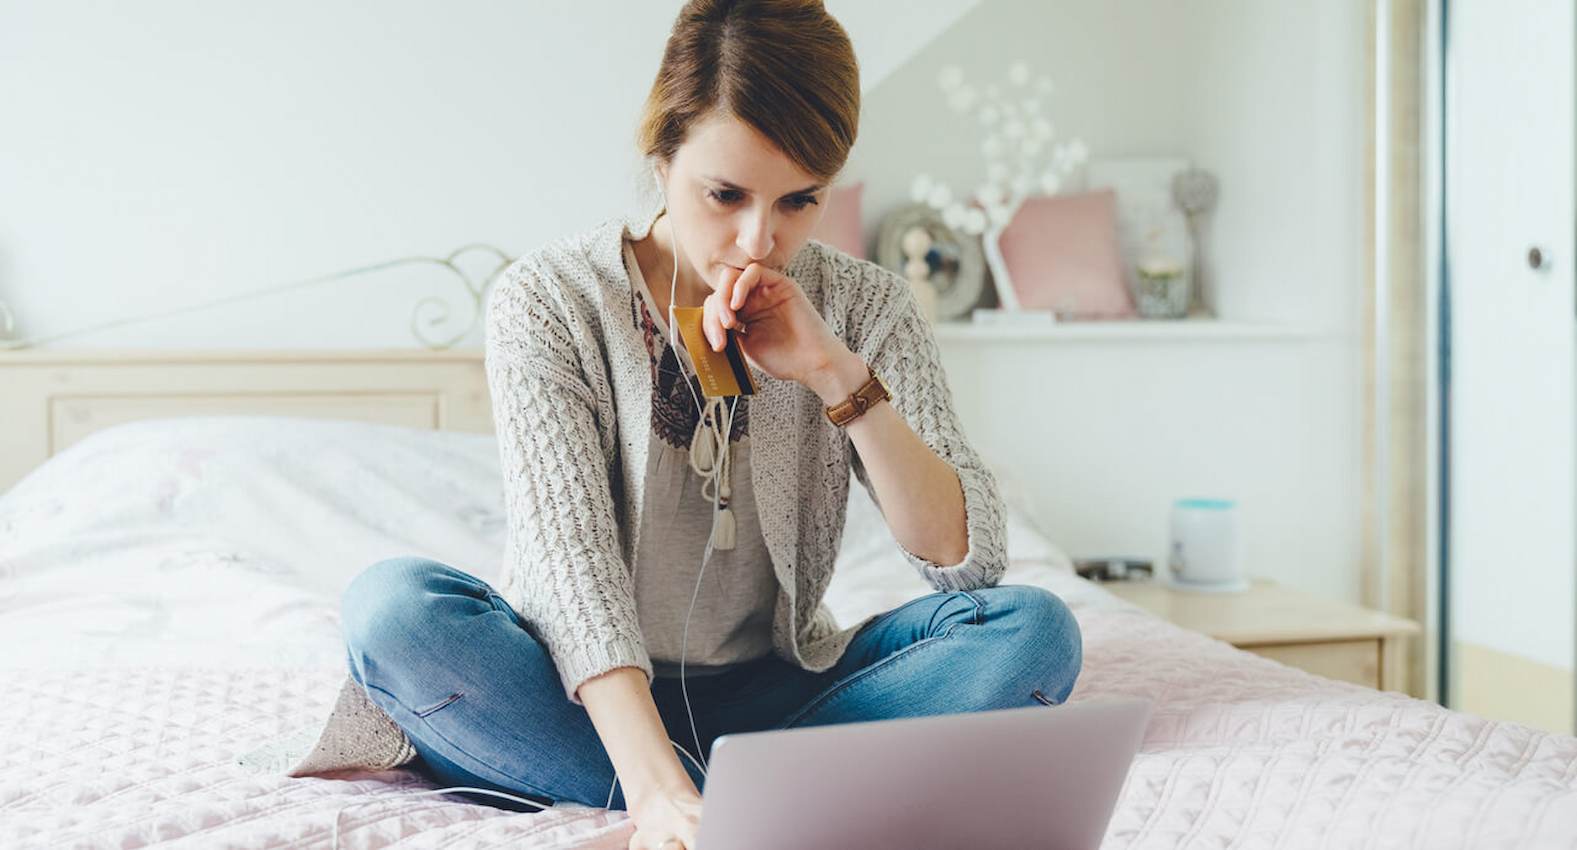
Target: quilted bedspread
(167,604)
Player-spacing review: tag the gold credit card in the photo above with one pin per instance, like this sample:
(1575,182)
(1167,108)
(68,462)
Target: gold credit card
(722,373)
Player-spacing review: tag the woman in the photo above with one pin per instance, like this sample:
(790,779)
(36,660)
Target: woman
(563,684)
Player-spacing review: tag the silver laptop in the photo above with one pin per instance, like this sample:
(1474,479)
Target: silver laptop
(1039,776)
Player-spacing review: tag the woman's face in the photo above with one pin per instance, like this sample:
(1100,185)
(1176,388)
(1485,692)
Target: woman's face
(735,199)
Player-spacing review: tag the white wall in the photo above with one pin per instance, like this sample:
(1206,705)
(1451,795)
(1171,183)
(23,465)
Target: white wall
(169,152)
(1275,106)
(166,152)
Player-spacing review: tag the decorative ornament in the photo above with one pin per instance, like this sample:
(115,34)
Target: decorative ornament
(945,267)
(916,245)
(1194,190)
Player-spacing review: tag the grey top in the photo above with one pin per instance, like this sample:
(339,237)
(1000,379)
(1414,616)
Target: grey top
(732,619)
(570,384)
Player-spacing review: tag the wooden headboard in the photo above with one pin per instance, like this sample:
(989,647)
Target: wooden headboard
(49,399)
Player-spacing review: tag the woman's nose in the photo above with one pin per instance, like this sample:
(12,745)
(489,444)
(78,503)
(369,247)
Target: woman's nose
(755,239)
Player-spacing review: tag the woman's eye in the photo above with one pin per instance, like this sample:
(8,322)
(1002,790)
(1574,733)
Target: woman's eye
(732,196)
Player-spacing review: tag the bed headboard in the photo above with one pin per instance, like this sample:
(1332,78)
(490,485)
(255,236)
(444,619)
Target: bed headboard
(49,398)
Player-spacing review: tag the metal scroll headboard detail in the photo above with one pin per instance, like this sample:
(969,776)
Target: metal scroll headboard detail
(430,311)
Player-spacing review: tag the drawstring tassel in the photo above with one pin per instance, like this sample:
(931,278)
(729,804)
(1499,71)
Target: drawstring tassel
(702,453)
(723,538)
(723,534)
(709,456)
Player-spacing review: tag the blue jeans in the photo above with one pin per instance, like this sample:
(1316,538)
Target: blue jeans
(480,698)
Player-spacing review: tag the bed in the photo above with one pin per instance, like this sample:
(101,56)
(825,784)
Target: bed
(167,606)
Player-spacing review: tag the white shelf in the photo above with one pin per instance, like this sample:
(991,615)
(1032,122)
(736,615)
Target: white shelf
(1157,330)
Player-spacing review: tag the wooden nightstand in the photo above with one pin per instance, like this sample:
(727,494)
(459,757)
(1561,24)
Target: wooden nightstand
(1324,636)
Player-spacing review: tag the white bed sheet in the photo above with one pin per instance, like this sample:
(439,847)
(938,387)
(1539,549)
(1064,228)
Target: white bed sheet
(167,603)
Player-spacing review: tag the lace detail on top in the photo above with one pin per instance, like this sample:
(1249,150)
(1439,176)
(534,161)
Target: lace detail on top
(674,416)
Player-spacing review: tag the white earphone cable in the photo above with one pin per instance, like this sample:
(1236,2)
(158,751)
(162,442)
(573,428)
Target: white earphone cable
(719,469)
(674,341)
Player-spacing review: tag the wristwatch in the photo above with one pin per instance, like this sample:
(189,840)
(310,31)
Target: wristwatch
(863,399)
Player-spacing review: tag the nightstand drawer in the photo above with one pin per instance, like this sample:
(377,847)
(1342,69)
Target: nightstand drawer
(1356,661)
(1326,637)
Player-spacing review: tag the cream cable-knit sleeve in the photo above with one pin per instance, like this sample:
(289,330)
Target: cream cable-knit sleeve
(900,345)
(564,566)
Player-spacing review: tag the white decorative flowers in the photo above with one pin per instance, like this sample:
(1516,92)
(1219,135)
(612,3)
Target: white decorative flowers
(1017,144)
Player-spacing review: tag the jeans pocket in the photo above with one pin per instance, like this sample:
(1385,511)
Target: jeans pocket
(423,712)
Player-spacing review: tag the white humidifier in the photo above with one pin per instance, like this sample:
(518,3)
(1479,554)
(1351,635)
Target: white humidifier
(1206,549)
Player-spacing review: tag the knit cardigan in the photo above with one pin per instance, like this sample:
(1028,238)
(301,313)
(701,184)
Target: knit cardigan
(571,397)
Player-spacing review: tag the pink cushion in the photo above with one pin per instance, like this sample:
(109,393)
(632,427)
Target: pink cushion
(840,224)
(1061,254)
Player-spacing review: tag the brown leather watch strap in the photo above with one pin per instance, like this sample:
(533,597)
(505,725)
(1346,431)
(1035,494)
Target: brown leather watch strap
(863,399)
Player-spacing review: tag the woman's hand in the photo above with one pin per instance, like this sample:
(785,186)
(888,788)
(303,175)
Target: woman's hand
(784,336)
(667,813)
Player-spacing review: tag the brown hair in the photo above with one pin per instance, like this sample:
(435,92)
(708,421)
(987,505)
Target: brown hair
(784,67)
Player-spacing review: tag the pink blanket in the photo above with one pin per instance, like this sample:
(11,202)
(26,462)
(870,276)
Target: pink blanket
(163,615)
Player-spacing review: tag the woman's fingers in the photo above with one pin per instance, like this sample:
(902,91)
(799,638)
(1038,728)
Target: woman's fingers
(743,284)
(730,295)
(755,277)
(721,308)
(723,304)
(748,281)
(711,323)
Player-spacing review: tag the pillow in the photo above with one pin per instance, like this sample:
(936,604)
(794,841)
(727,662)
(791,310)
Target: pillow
(871,575)
(1061,253)
(840,224)
(227,540)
